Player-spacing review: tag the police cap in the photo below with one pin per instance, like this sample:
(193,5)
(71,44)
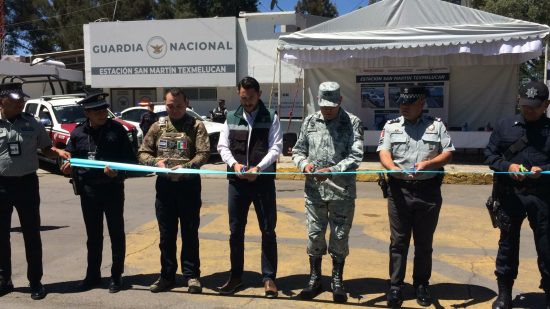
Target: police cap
(533,94)
(12,90)
(408,95)
(95,101)
(329,94)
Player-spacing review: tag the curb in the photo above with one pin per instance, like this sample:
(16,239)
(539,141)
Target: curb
(450,178)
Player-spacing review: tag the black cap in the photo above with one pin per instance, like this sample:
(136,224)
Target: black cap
(408,95)
(95,101)
(12,90)
(221,101)
(533,93)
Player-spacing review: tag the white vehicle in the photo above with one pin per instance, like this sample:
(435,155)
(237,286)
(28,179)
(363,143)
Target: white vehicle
(133,116)
(60,114)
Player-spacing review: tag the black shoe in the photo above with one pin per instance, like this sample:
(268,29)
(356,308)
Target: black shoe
(115,285)
(423,297)
(231,286)
(162,285)
(395,298)
(37,291)
(6,286)
(89,283)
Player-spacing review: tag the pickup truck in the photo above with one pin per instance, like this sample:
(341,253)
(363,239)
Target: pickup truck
(60,114)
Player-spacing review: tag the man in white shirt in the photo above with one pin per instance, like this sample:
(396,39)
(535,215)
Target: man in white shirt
(250,142)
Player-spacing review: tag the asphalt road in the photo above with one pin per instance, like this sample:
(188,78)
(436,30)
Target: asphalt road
(464,253)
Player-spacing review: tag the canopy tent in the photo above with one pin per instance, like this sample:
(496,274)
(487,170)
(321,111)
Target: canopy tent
(403,32)
(481,51)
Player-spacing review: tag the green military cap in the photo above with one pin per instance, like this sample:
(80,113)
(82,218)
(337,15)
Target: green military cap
(329,94)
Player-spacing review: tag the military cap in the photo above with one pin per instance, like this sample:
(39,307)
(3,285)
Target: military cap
(12,90)
(329,94)
(408,95)
(533,94)
(221,101)
(95,101)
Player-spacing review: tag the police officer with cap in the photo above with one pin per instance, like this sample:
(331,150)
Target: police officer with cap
(178,140)
(410,143)
(101,190)
(20,136)
(520,145)
(331,140)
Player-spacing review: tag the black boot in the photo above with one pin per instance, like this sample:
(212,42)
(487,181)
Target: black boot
(314,286)
(504,299)
(338,292)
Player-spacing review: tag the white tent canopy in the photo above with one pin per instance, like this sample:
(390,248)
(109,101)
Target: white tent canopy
(414,32)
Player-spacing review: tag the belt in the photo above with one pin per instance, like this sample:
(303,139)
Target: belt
(414,183)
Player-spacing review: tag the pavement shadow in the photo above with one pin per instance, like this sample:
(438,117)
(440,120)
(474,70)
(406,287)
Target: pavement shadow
(530,300)
(466,295)
(43,228)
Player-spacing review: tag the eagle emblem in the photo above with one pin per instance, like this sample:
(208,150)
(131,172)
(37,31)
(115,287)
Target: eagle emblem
(157,49)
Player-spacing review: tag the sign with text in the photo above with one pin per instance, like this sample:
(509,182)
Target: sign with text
(162,53)
(401,78)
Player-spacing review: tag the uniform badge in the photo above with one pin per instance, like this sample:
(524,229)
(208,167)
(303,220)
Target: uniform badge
(163,143)
(182,145)
(531,93)
(111,136)
(381,140)
(431,127)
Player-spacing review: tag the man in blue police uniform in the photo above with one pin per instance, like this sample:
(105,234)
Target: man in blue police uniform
(101,190)
(219,114)
(521,143)
(413,142)
(20,136)
(148,118)
(251,142)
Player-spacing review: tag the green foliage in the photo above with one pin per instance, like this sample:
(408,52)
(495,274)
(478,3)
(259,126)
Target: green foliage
(40,26)
(316,7)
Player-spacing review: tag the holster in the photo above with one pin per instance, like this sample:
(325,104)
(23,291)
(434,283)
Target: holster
(383,183)
(76,186)
(499,218)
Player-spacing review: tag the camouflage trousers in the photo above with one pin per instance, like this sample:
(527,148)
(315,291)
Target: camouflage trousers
(339,216)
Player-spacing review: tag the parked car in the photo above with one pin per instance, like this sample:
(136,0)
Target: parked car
(60,114)
(133,116)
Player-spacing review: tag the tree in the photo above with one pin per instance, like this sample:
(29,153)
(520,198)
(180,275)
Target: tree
(316,7)
(528,10)
(41,26)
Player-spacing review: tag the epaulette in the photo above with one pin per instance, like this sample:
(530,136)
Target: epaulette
(395,120)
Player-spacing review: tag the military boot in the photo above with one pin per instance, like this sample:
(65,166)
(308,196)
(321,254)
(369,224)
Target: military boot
(338,292)
(314,286)
(504,299)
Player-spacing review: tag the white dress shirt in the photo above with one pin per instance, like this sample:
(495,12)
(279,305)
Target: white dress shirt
(275,142)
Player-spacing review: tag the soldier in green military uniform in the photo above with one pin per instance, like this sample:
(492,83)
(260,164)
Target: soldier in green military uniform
(330,140)
(178,140)
(413,142)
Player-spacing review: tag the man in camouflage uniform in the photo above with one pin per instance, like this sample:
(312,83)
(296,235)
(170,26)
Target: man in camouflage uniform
(413,142)
(178,140)
(331,140)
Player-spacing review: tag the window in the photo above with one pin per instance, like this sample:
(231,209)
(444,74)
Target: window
(201,94)
(31,108)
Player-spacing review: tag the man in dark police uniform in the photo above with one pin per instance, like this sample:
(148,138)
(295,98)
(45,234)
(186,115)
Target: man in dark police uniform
(101,190)
(20,136)
(521,143)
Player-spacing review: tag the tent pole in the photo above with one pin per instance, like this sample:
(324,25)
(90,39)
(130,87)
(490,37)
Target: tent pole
(303,94)
(279,85)
(546,62)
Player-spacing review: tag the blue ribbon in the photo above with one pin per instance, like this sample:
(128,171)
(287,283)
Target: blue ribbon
(76,162)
